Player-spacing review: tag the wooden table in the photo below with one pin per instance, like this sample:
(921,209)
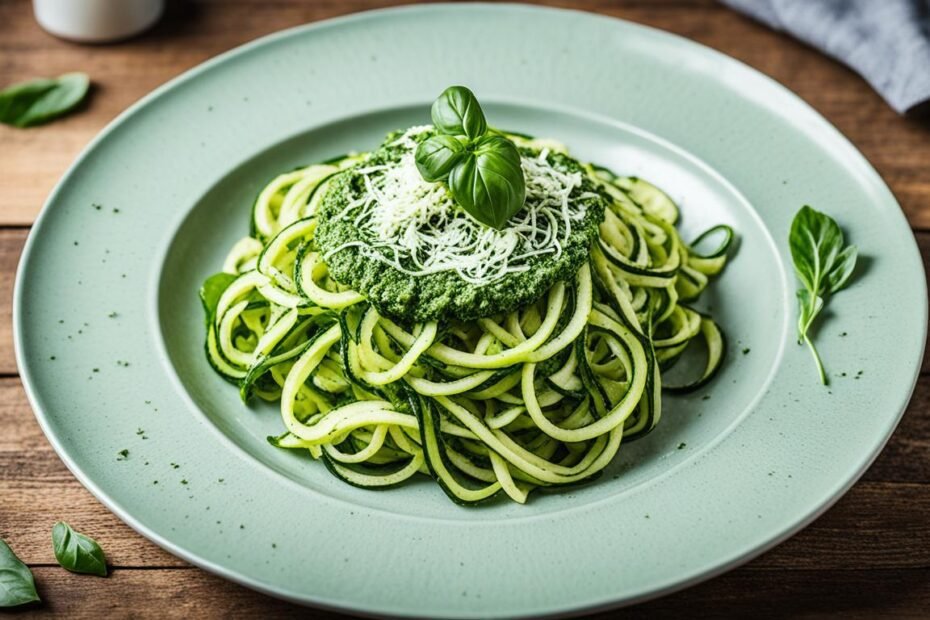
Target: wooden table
(868,556)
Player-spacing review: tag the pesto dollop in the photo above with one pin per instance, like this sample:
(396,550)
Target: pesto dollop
(417,256)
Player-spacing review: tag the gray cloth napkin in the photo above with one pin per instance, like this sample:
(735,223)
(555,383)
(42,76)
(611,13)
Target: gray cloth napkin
(886,41)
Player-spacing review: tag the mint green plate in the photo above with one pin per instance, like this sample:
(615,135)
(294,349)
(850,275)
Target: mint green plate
(730,471)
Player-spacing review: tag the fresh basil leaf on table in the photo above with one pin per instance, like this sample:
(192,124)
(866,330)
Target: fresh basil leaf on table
(39,101)
(489,182)
(17,586)
(823,264)
(76,552)
(16,100)
(456,112)
(437,156)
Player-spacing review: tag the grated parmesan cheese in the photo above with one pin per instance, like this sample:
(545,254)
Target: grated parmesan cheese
(417,228)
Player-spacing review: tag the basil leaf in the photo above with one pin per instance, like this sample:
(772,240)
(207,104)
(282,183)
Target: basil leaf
(17,586)
(437,156)
(823,264)
(39,101)
(16,100)
(815,241)
(809,307)
(76,552)
(456,112)
(842,269)
(212,289)
(489,183)
(821,260)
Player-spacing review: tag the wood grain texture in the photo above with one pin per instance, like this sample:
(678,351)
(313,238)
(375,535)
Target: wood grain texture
(868,556)
(741,594)
(11,246)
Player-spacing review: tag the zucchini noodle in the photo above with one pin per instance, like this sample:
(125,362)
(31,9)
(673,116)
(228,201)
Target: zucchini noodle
(537,398)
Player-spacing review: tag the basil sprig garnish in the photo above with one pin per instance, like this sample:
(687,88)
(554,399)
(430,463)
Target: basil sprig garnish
(76,552)
(17,586)
(40,101)
(823,264)
(482,170)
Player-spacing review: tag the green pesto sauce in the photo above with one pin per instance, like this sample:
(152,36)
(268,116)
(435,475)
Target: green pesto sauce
(445,295)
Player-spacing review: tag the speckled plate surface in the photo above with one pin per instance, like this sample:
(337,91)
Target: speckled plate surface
(109,329)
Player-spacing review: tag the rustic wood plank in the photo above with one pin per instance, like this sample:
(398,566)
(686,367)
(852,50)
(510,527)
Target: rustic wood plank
(34,159)
(11,246)
(796,594)
(27,515)
(874,526)
(738,594)
(158,593)
(906,457)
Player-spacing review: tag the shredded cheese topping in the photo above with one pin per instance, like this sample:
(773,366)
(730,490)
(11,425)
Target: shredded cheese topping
(417,228)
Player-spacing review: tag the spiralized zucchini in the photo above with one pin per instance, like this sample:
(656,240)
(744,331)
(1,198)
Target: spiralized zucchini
(538,398)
